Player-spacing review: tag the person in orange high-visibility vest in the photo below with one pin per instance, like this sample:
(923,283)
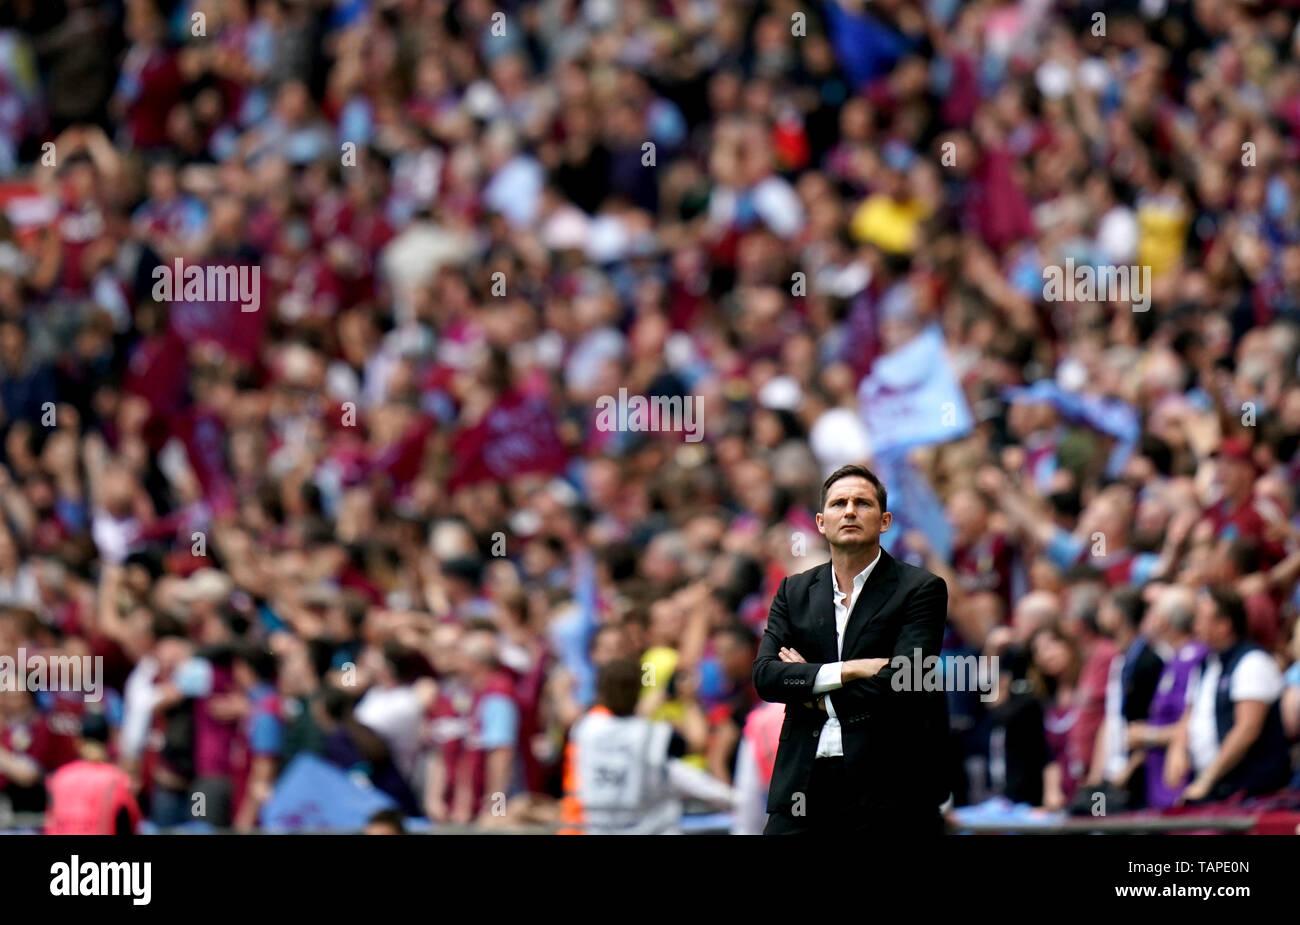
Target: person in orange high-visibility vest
(623,773)
(91,796)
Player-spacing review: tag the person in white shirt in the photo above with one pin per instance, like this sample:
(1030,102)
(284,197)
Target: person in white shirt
(1231,734)
(394,706)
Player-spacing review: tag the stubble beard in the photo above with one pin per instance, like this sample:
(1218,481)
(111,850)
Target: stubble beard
(855,540)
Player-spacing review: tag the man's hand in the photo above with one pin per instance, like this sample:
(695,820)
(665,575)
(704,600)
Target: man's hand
(227,708)
(794,658)
(436,810)
(852,670)
(862,668)
(167,695)
(1176,767)
(991,480)
(1136,736)
(999,638)
(1198,789)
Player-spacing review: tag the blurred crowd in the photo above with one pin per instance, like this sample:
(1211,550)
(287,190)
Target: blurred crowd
(374,521)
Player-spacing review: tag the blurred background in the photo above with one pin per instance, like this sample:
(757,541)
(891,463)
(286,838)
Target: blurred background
(366,547)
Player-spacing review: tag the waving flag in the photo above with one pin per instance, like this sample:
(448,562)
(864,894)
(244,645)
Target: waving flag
(315,796)
(911,396)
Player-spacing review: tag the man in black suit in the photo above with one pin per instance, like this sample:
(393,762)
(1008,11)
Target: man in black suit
(859,750)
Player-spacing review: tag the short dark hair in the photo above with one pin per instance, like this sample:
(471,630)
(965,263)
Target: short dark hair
(94,728)
(337,702)
(165,625)
(601,630)
(390,817)
(618,687)
(853,469)
(406,664)
(260,660)
(741,633)
(1229,605)
(1129,603)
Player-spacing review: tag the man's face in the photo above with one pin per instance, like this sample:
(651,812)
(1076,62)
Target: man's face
(475,647)
(170,652)
(1108,618)
(852,515)
(446,648)
(13,345)
(244,676)
(371,661)
(1155,625)
(1237,476)
(81,181)
(1101,516)
(610,645)
(1051,654)
(162,183)
(734,657)
(15,705)
(1206,621)
(967,516)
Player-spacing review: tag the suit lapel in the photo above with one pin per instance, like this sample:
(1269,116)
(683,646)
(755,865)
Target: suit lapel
(875,593)
(822,593)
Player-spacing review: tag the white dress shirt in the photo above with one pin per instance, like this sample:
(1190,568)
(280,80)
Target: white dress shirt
(830,675)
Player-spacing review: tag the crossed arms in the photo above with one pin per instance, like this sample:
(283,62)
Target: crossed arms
(781,675)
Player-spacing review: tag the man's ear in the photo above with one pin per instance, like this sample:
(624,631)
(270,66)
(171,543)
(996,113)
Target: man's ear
(821,524)
(885,520)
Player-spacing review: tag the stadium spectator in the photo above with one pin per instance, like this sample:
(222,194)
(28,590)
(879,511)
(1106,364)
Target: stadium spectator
(1232,732)
(1134,675)
(91,796)
(1006,752)
(1054,672)
(624,773)
(1168,625)
(29,749)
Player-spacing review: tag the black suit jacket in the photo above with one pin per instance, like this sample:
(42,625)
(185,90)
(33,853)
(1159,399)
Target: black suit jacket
(894,740)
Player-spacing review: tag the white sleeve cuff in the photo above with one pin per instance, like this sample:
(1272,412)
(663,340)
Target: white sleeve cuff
(828,678)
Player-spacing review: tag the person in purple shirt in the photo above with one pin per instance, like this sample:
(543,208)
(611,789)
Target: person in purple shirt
(1169,624)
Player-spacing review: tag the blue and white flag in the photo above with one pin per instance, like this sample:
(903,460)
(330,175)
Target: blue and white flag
(1111,416)
(914,505)
(912,398)
(313,795)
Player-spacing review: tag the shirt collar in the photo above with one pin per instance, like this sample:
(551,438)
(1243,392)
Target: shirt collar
(858,580)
